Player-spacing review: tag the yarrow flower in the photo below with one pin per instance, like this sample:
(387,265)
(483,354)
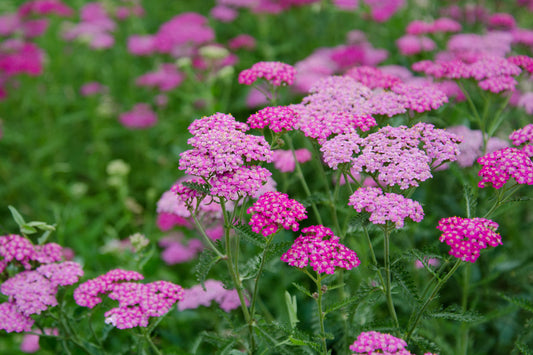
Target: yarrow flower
(137,302)
(319,248)
(372,77)
(276,73)
(372,342)
(284,160)
(472,144)
(385,207)
(274,210)
(468,236)
(15,248)
(522,135)
(278,119)
(214,291)
(499,166)
(141,116)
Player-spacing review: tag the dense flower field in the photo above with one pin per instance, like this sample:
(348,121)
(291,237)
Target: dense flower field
(266,177)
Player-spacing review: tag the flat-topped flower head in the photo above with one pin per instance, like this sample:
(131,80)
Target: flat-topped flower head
(274,210)
(11,320)
(468,236)
(421,97)
(278,119)
(499,166)
(216,122)
(319,248)
(372,342)
(16,247)
(385,207)
(372,77)
(523,61)
(276,73)
(341,149)
(522,136)
(238,183)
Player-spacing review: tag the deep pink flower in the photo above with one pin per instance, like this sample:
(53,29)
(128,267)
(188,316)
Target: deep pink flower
(411,45)
(20,57)
(45,7)
(185,29)
(468,236)
(522,135)
(319,248)
(382,10)
(274,210)
(499,166)
(278,119)
(141,116)
(372,342)
(501,21)
(92,88)
(242,41)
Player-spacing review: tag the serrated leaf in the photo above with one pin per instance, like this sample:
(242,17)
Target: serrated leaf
(302,289)
(206,261)
(520,302)
(407,284)
(456,314)
(16,216)
(344,303)
(203,188)
(250,236)
(251,268)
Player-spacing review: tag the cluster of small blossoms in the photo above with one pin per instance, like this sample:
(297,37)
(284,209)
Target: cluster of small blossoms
(523,61)
(372,342)
(421,97)
(472,144)
(467,236)
(137,302)
(15,248)
(274,210)
(335,105)
(393,154)
(284,160)
(522,135)
(276,73)
(372,77)
(320,248)
(385,207)
(387,103)
(442,24)
(34,291)
(214,290)
(221,150)
(501,165)
(278,119)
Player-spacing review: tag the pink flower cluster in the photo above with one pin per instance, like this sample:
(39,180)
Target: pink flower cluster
(278,119)
(440,25)
(34,291)
(19,250)
(320,248)
(468,236)
(221,148)
(394,155)
(421,97)
(373,77)
(214,291)
(141,116)
(137,302)
(274,210)
(499,166)
(284,159)
(523,61)
(372,342)
(96,27)
(523,135)
(177,251)
(472,143)
(411,45)
(385,207)
(276,73)
(166,78)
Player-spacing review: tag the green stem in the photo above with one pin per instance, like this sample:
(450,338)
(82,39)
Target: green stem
(430,298)
(321,314)
(388,286)
(301,177)
(463,337)
(206,238)
(501,199)
(256,285)
(373,256)
(148,339)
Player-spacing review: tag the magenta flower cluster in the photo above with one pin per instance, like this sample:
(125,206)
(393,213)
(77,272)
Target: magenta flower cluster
(499,166)
(385,207)
(274,210)
(17,249)
(278,119)
(468,236)
(372,342)
(34,291)
(523,135)
(221,154)
(319,248)
(137,302)
(276,73)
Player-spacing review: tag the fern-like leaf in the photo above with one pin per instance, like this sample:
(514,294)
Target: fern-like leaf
(457,314)
(520,302)
(202,188)
(206,261)
(250,236)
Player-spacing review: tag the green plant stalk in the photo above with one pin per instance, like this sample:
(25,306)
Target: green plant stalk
(321,314)
(259,272)
(501,198)
(462,346)
(148,339)
(206,238)
(388,286)
(301,177)
(430,298)
(373,255)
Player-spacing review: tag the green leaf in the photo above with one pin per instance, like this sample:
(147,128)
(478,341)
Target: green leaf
(251,268)
(520,302)
(344,303)
(44,237)
(302,289)
(206,261)
(26,229)
(16,216)
(202,188)
(245,231)
(470,199)
(292,306)
(42,226)
(457,314)
(406,282)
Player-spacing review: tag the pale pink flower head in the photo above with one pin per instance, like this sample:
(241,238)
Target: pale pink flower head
(499,166)
(341,149)
(385,207)
(141,45)
(274,210)
(411,45)
(319,248)
(421,97)
(141,116)
(12,320)
(276,73)
(185,29)
(382,10)
(284,159)
(177,251)
(9,24)
(347,5)
(373,77)
(211,290)
(166,78)
(34,28)
(92,88)
(372,342)
(445,24)
(468,236)
(243,41)
(278,119)
(223,13)
(30,342)
(501,21)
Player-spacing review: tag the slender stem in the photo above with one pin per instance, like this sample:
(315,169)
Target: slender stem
(388,286)
(301,177)
(148,339)
(256,285)
(430,298)
(501,199)
(373,255)
(206,238)
(463,331)
(321,314)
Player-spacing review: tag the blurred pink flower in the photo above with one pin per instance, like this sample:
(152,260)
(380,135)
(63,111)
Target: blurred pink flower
(141,45)
(223,13)
(92,88)
(166,78)
(141,116)
(45,7)
(242,41)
